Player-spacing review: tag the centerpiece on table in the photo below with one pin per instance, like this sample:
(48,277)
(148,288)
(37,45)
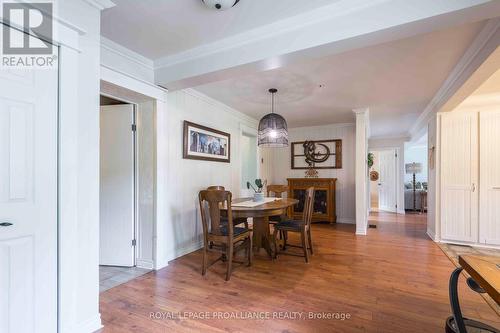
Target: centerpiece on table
(259,194)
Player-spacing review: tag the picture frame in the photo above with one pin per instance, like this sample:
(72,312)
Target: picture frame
(205,143)
(297,157)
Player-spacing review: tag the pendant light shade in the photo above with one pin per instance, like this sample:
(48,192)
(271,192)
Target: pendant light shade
(273,130)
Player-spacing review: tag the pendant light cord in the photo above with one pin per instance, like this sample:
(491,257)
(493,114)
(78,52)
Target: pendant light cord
(272,103)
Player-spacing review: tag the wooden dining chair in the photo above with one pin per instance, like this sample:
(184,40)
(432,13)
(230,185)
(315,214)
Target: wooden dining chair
(299,226)
(225,238)
(236,221)
(277,192)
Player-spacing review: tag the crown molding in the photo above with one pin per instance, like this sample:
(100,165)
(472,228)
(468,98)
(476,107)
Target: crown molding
(220,105)
(101,4)
(124,52)
(401,138)
(332,125)
(449,87)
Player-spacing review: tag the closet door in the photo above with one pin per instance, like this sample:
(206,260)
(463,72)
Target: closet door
(489,216)
(459,175)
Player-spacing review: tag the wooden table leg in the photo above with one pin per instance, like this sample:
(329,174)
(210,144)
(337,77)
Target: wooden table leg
(262,235)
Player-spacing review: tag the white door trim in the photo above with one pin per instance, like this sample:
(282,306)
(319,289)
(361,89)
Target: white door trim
(399,173)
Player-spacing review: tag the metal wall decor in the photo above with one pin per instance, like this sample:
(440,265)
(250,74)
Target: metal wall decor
(316,154)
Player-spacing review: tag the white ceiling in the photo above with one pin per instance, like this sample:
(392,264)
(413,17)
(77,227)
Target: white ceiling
(395,80)
(157,29)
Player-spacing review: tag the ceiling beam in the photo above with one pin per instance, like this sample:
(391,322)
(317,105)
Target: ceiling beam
(328,30)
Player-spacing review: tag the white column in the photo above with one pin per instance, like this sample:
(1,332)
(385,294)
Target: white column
(362,134)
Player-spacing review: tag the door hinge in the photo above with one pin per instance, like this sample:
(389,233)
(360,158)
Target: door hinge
(396,206)
(134,242)
(396,155)
(134,127)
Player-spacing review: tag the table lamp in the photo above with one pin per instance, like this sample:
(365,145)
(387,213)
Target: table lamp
(414,168)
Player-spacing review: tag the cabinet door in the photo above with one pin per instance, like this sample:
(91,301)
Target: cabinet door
(490,177)
(459,174)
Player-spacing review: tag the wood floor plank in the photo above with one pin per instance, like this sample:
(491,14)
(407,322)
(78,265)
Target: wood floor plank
(393,280)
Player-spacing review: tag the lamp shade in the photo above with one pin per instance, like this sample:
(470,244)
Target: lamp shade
(412,168)
(273,131)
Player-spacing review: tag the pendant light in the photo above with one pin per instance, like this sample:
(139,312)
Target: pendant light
(273,130)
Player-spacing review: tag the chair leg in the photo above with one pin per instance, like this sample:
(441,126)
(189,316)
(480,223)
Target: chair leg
(249,250)
(304,245)
(285,239)
(205,260)
(310,240)
(230,249)
(275,242)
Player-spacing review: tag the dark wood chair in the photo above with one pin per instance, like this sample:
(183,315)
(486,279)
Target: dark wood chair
(299,226)
(226,238)
(237,221)
(277,192)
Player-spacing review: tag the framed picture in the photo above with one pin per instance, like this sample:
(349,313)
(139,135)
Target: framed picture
(318,154)
(204,143)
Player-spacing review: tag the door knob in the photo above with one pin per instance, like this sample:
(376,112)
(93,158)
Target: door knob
(5,224)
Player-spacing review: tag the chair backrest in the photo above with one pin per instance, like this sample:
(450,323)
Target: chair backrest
(278,190)
(211,202)
(216,188)
(308,206)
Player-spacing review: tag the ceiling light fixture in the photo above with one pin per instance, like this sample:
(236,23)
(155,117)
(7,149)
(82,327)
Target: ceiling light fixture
(220,4)
(273,130)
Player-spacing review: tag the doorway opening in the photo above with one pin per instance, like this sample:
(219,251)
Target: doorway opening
(384,180)
(126,226)
(416,179)
(249,161)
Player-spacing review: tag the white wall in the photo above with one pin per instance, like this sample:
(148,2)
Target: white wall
(416,154)
(398,143)
(281,168)
(179,180)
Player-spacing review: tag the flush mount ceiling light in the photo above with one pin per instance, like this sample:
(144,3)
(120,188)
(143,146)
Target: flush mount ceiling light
(220,4)
(273,130)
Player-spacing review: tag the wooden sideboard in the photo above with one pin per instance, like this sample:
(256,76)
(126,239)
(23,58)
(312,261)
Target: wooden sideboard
(324,198)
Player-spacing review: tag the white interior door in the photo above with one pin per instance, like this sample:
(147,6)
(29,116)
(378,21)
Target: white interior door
(117,197)
(387,180)
(490,177)
(459,174)
(28,200)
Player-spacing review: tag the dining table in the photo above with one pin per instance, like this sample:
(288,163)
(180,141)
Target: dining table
(260,213)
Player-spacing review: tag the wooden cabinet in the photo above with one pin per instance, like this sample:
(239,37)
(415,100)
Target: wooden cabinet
(324,198)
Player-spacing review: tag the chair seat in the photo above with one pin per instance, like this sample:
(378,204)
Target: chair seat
(290,224)
(236,230)
(236,221)
(275,219)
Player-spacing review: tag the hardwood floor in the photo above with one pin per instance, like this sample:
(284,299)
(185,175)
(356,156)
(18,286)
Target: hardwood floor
(393,280)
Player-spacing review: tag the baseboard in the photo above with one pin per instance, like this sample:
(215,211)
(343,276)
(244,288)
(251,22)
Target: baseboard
(195,246)
(401,211)
(361,231)
(483,246)
(144,263)
(88,326)
(346,220)
(431,234)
